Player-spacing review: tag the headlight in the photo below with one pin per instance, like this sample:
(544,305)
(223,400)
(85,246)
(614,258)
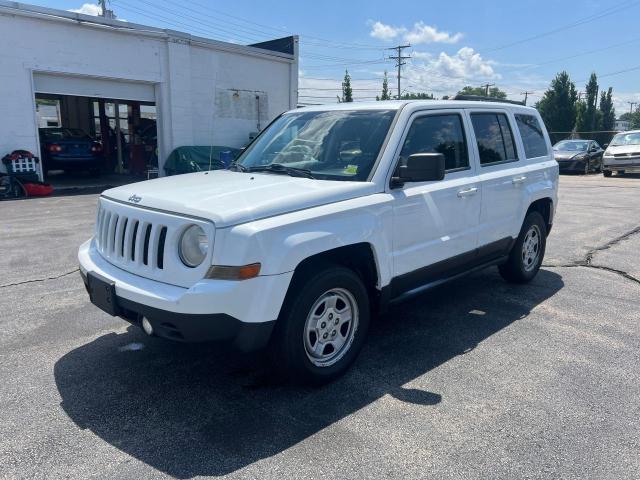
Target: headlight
(193,246)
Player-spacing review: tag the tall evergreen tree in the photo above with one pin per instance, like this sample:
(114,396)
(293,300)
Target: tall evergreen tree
(386,94)
(588,121)
(608,121)
(558,105)
(347,92)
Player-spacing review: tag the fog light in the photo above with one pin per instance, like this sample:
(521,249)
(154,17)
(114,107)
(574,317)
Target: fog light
(147,327)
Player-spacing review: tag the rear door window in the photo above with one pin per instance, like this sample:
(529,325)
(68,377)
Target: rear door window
(532,136)
(438,134)
(494,137)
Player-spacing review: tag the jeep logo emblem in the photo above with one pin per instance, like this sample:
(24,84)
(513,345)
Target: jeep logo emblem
(134,198)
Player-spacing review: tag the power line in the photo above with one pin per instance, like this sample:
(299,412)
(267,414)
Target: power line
(399,58)
(591,18)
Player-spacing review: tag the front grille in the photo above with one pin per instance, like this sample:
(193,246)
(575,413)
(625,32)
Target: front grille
(144,242)
(626,155)
(129,239)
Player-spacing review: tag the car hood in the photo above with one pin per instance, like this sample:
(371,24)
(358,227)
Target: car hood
(622,149)
(230,198)
(566,155)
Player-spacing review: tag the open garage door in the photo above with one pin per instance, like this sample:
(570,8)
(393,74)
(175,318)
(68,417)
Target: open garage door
(93,87)
(92,127)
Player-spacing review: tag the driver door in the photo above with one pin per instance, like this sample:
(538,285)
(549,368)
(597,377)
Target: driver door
(435,223)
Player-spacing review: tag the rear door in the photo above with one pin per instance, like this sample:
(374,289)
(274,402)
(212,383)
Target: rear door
(435,223)
(502,176)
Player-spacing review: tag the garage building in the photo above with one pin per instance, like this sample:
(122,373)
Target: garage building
(117,81)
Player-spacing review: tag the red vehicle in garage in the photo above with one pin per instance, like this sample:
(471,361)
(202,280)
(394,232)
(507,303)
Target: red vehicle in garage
(71,150)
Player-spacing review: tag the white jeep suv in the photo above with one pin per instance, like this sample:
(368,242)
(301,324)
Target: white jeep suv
(331,213)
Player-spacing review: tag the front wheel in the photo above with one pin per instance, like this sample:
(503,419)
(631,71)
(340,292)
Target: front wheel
(322,327)
(527,252)
(607,173)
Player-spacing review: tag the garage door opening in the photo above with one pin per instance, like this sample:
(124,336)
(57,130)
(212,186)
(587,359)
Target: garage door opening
(94,132)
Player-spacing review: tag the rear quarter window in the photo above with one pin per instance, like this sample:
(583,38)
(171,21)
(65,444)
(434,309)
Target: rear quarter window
(494,137)
(532,136)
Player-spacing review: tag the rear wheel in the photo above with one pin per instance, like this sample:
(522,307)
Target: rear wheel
(322,327)
(527,253)
(607,173)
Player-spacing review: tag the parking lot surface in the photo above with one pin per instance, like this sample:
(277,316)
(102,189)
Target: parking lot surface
(477,379)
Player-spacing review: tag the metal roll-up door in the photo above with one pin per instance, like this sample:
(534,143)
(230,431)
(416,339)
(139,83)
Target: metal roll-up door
(93,87)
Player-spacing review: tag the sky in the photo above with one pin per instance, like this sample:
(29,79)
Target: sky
(517,45)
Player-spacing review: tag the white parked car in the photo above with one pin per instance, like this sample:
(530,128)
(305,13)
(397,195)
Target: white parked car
(331,213)
(622,154)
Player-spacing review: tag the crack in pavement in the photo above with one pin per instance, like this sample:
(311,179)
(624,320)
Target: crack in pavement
(588,258)
(40,279)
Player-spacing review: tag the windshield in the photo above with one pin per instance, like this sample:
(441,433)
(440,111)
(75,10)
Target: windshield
(331,145)
(63,134)
(571,146)
(626,139)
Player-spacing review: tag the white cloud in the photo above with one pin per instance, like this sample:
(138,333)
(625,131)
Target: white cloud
(466,63)
(88,9)
(422,33)
(419,34)
(385,32)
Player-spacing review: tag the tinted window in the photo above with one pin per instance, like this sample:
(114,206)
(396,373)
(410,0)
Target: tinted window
(494,137)
(532,136)
(438,134)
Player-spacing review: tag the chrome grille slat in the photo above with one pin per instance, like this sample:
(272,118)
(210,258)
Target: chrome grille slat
(144,242)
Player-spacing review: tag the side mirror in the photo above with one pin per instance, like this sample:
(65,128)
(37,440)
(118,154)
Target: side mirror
(421,167)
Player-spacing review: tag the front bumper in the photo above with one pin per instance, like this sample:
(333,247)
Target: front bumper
(241,312)
(631,165)
(571,165)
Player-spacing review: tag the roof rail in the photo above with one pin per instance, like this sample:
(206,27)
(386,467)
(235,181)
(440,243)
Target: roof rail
(482,98)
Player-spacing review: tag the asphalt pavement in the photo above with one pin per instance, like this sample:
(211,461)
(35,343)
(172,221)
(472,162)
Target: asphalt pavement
(477,379)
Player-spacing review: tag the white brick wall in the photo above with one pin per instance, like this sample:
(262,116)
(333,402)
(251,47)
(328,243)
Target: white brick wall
(186,74)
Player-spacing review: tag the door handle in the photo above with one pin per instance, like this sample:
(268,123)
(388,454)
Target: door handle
(517,180)
(467,192)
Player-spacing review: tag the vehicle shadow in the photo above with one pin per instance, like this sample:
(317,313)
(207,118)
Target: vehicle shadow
(190,410)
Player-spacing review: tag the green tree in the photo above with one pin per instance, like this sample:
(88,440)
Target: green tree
(386,94)
(608,120)
(558,105)
(347,92)
(417,96)
(493,92)
(587,121)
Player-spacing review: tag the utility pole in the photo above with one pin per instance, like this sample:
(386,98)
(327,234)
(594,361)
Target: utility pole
(526,95)
(631,104)
(399,58)
(486,88)
(106,12)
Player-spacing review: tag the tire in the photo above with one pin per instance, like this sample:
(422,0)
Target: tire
(607,173)
(302,348)
(524,261)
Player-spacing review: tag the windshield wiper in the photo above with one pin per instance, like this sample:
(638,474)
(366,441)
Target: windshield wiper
(238,167)
(280,168)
